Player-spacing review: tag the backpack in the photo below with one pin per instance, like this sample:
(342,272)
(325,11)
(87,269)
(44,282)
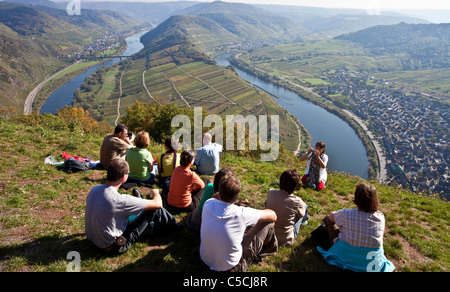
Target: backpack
(73,165)
(319,236)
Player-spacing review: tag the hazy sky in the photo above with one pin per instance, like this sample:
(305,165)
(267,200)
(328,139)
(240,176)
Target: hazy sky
(359,4)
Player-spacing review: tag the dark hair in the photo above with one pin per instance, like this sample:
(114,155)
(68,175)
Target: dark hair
(219,175)
(186,157)
(366,198)
(229,188)
(289,180)
(171,144)
(120,128)
(117,169)
(321,145)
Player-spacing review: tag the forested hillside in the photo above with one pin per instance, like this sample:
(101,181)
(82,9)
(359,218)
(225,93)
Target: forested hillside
(426,45)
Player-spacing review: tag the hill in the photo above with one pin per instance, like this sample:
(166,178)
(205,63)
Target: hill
(152,12)
(427,44)
(37,41)
(248,22)
(185,31)
(325,23)
(42,208)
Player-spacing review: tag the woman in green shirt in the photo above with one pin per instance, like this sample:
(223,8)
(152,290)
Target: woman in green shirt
(140,161)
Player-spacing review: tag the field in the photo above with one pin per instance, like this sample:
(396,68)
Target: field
(195,84)
(307,62)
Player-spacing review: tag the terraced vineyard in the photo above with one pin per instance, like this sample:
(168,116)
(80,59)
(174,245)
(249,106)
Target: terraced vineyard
(195,84)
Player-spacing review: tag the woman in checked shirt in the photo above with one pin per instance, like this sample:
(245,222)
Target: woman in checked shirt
(356,235)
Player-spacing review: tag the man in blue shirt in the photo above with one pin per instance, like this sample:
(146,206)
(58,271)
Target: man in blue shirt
(208,156)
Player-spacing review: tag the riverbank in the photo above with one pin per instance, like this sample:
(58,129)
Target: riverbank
(28,106)
(306,93)
(44,91)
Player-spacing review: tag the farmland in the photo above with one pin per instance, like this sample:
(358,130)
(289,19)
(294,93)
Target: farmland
(197,84)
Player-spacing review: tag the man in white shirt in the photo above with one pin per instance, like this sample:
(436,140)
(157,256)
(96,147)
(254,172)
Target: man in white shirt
(107,212)
(224,244)
(208,156)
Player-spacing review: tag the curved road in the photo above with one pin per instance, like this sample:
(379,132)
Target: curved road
(382,172)
(28,106)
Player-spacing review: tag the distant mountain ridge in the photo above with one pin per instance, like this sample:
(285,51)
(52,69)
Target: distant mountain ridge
(35,39)
(201,28)
(249,22)
(427,44)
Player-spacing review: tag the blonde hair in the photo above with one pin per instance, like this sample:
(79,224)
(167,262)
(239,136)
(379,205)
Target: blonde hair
(142,140)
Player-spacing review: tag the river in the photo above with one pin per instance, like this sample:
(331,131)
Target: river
(65,94)
(345,150)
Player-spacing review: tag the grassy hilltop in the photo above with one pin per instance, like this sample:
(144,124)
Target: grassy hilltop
(42,208)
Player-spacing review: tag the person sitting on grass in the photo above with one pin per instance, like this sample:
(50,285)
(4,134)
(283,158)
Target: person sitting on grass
(107,213)
(291,210)
(356,235)
(140,161)
(115,146)
(208,156)
(167,162)
(225,244)
(194,220)
(186,187)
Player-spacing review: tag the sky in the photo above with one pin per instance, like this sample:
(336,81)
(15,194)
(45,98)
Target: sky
(357,4)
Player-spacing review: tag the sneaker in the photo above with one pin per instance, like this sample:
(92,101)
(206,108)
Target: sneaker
(137,193)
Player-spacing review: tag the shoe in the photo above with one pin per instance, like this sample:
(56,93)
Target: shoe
(137,193)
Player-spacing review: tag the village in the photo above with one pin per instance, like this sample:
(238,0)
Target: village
(109,41)
(412,129)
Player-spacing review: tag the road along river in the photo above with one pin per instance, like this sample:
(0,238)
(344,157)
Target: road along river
(344,148)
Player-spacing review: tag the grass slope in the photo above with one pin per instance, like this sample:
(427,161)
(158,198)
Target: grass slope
(42,210)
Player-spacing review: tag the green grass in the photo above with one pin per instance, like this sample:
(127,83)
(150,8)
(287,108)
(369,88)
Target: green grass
(42,212)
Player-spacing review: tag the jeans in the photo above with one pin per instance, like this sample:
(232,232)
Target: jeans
(161,218)
(150,181)
(299,221)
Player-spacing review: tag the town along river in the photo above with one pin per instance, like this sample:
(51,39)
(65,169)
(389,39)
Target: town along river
(65,94)
(345,150)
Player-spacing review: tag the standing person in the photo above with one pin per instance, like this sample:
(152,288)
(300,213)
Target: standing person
(356,235)
(290,209)
(167,162)
(186,187)
(140,161)
(107,212)
(225,245)
(208,156)
(115,146)
(316,168)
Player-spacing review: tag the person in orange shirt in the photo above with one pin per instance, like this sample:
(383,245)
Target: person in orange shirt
(186,187)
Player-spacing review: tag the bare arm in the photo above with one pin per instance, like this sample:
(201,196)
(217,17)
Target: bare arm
(331,217)
(150,167)
(305,156)
(156,203)
(322,164)
(267,215)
